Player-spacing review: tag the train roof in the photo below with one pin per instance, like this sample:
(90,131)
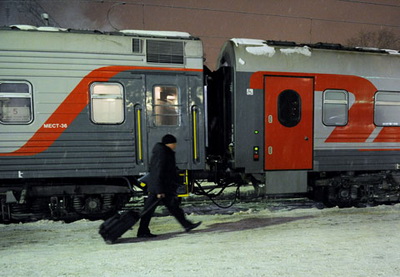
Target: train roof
(251,55)
(319,45)
(126,47)
(133,33)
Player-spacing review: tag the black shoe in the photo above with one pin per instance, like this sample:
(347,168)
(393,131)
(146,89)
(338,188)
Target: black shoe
(192,226)
(146,235)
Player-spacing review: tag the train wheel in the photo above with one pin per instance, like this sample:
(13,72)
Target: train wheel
(92,205)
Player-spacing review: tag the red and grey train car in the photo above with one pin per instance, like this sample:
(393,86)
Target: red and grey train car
(318,118)
(81,111)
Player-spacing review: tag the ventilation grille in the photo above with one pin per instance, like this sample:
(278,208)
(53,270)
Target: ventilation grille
(136,45)
(159,51)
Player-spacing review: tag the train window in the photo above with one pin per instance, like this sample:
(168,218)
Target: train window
(335,108)
(387,108)
(15,103)
(166,105)
(107,103)
(289,108)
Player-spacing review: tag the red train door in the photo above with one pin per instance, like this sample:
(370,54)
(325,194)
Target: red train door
(288,123)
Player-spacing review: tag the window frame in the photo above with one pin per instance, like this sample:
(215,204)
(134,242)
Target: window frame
(386,103)
(160,116)
(344,102)
(21,95)
(284,118)
(94,96)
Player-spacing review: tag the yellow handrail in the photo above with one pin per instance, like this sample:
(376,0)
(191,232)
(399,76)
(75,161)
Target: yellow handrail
(195,150)
(139,134)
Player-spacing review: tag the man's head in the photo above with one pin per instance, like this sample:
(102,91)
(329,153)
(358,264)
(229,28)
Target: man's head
(169,141)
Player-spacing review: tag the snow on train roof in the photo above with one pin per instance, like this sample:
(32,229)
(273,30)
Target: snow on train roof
(34,28)
(145,33)
(261,48)
(267,47)
(157,33)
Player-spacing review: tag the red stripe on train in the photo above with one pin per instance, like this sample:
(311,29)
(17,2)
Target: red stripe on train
(71,107)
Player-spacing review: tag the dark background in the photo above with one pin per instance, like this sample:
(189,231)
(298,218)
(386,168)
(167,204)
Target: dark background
(215,21)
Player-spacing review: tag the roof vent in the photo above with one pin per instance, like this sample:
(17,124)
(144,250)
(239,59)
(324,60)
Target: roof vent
(161,51)
(136,45)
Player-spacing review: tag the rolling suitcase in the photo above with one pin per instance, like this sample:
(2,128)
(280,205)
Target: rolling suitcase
(117,225)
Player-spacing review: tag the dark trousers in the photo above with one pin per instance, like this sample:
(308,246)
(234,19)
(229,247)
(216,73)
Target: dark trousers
(172,204)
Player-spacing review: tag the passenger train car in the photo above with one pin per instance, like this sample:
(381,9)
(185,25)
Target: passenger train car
(81,110)
(319,118)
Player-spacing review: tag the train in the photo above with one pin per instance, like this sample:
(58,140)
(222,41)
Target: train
(81,110)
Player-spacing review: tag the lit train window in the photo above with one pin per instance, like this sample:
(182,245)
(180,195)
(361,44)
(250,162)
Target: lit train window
(289,108)
(107,103)
(15,103)
(335,107)
(166,109)
(387,108)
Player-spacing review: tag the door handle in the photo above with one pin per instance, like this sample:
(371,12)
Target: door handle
(305,138)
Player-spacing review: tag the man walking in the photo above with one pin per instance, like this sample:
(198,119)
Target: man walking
(163,183)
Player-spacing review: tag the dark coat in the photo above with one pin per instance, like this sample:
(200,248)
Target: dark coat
(163,172)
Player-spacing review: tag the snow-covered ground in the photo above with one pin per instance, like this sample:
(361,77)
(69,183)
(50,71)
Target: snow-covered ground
(300,242)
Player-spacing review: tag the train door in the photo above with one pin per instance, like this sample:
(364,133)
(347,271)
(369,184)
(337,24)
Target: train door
(288,123)
(167,112)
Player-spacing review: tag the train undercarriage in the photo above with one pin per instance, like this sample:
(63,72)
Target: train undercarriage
(100,198)
(347,189)
(65,199)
